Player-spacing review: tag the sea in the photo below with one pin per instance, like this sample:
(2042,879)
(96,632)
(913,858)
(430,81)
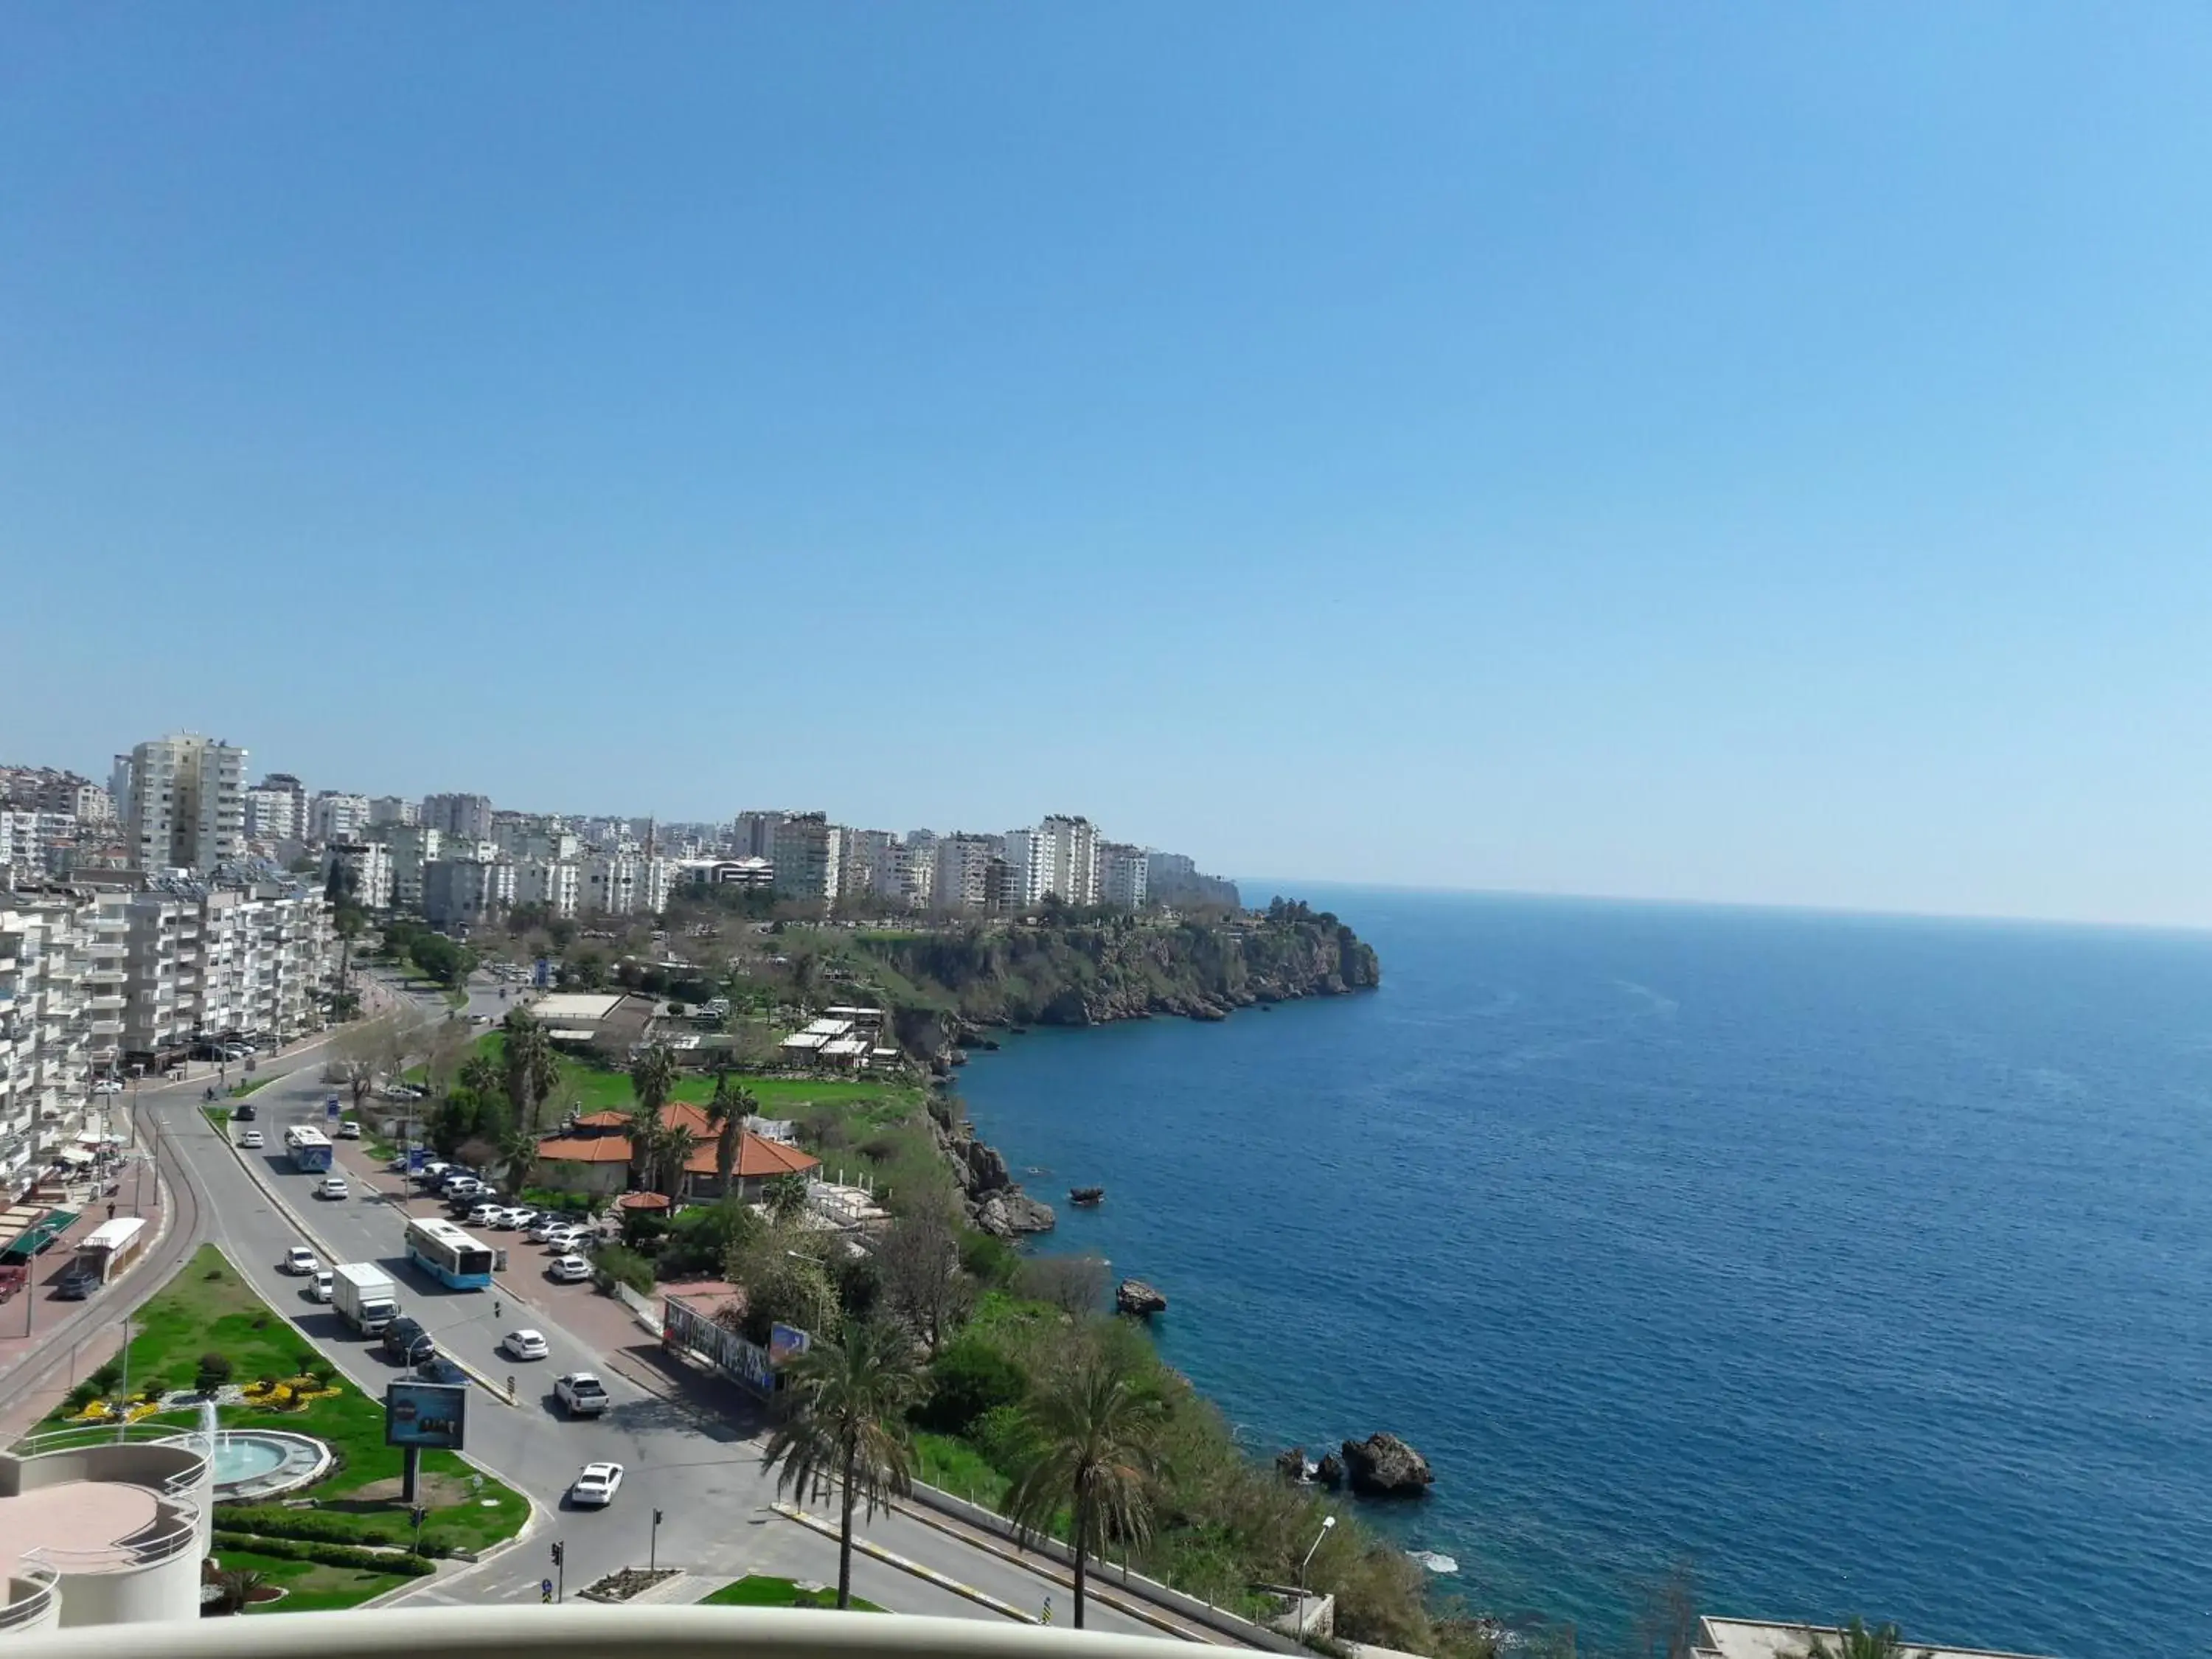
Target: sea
(1862,1264)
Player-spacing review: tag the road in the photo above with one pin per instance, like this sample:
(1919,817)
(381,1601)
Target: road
(704,1474)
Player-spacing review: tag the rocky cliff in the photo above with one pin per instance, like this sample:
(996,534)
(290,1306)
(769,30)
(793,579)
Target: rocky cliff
(1121,967)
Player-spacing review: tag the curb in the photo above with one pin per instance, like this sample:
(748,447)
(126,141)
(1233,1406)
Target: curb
(284,1208)
(981,1598)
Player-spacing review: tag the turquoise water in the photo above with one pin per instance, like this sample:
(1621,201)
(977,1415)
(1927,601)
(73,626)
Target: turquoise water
(1867,1262)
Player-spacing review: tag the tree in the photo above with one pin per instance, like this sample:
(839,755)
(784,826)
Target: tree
(844,1418)
(530,1068)
(214,1371)
(652,1075)
(784,1283)
(659,1152)
(1098,1425)
(363,1053)
(785,1196)
(727,1112)
(1855,1641)
(920,1257)
(1073,1284)
(518,1156)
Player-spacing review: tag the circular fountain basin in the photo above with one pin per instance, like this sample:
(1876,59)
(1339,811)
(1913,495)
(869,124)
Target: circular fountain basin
(262,1462)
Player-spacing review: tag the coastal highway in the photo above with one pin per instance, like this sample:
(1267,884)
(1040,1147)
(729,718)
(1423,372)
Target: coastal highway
(703,1473)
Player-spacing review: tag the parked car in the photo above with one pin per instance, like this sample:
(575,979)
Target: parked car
(250,1138)
(108,1086)
(349,1130)
(561,1241)
(484,1215)
(595,1486)
(333,1186)
(300,1259)
(521,1216)
(581,1393)
(321,1287)
(542,1226)
(525,1345)
(568,1270)
(76,1283)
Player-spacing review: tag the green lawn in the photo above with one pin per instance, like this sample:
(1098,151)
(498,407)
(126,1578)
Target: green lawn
(209,1307)
(762,1591)
(596,1091)
(309,1586)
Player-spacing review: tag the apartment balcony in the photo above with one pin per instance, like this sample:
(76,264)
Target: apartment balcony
(581,1631)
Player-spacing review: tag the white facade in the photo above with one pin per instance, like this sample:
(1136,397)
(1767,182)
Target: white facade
(625,884)
(466,891)
(48,1047)
(753,834)
(867,860)
(806,856)
(394,808)
(556,884)
(337,816)
(412,846)
(187,803)
(963,870)
(367,864)
(1122,870)
(273,815)
(22,846)
(466,817)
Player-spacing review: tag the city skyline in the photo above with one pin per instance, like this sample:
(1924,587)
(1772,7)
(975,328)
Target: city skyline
(1747,458)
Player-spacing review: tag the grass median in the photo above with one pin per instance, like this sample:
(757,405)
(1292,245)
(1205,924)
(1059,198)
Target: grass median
(761,1591)
(209,1310)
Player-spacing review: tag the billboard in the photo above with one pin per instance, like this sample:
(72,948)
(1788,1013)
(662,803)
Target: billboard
(785,1343)
(432,1414)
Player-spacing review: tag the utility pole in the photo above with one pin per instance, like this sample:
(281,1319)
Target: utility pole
(653,1546)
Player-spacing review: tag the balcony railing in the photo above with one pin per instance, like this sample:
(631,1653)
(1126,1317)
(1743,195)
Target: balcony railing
(586,1631)
(33,1604)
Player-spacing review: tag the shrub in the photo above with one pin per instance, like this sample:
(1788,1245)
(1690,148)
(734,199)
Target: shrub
(81,1396)
(105,1378)
(1072,1284)
(329,1555)
(303,1524)
(215,1372)
(1005,1438)
(991,1259)
(969,1378)
(615,1265)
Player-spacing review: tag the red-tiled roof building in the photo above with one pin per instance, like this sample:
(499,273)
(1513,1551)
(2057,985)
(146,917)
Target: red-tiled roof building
(593,1154)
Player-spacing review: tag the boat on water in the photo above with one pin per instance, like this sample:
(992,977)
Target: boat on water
(1086,1197)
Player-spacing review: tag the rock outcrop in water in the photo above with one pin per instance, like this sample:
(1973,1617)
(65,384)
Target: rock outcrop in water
(993,1199)
(1137,1299)
(1383,1465)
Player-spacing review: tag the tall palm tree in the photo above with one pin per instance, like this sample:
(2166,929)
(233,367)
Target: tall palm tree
(731,1106)
(518,1155)
(652,1075)
(1855,1641)
(1097,1425)
(532,1070)
(664,1148)
(844,1406)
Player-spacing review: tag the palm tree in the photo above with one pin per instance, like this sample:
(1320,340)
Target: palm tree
(785,1195)
(238,1585)
(654,1077)
(1855,1641)
(844,1418)
(532,1070)
(727,1113)
(518,1155)
(1097,1426)
(479,1076)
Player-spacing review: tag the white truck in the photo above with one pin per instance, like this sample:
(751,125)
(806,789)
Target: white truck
(364,1294)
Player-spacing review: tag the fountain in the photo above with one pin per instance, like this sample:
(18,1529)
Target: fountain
(258,1462)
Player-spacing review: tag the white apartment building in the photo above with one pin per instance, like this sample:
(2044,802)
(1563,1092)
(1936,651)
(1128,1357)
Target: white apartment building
(187,806)
(367,864)
(263,955)
(22,849)
(465,818)
(1121,874)
(626,884)
(394,808)
(556,884)
(1074,872)
(964,872)
(275,813)
(411,846)
(47,1045)
(337,815)
(1028,854)
(806,856)
(533,836)
(466,891)
(866,860)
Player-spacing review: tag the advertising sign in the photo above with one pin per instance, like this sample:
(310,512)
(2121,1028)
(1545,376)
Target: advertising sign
(331,1107)
(785,1344)
(432,1414)
(416,1158)
(685,1327)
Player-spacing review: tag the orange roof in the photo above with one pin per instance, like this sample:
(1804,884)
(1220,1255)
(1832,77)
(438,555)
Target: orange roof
(641,1202)
(607,1120)
(755,1156)
(584,1149)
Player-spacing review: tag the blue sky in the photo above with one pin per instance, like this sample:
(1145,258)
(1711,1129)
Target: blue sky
(1688,452)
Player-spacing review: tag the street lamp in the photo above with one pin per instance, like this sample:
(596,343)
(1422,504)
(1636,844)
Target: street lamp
(1326,1523)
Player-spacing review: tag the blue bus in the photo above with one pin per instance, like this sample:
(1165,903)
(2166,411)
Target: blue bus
(310,1149)
(448,1254)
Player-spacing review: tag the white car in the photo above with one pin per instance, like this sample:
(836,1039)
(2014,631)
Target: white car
(323,1287)
(251,1138)
(349,1130)
(545,1227)
(521,1216)
(595,1486)
(484,1215)
(333,1186)
(301,1260)
(525,1345)
(583,1393)
(108,1086)
(568,1270)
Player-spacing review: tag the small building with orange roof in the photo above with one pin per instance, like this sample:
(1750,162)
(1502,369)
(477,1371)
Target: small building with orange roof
(593,1154)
